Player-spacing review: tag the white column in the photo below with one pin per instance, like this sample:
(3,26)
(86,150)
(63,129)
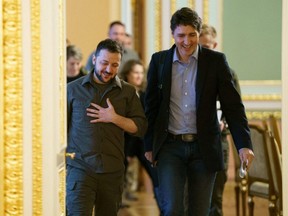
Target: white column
(165,18)
(199,7)
(27,111)
(126,15)
(53,146)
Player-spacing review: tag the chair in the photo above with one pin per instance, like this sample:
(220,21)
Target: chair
(261,182)
(275,161)
(275,127)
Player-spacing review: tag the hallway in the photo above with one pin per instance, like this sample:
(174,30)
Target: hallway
(146,205)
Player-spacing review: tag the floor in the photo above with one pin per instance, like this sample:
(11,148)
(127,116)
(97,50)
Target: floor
(146,205)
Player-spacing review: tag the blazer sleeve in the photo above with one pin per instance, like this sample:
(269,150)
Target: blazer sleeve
(232,106)
(152,100)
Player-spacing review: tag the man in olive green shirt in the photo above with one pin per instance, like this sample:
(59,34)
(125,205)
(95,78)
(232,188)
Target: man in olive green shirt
(101,107)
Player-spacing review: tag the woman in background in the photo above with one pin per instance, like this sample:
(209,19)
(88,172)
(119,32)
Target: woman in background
(74,66)
(133,73)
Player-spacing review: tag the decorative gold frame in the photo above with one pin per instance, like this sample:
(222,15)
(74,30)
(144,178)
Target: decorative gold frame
(62,108)
(262,82)
(172,7)
(206,11)
(11,194)
(262,114)
(36,109)
(62,73)
(172,11)
(191,4)
(1,117)
(261,97)
(158,21)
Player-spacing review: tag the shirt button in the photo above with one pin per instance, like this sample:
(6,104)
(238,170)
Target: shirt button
(186,105)
(185,93)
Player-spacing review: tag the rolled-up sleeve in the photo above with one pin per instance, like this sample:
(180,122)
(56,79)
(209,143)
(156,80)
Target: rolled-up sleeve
(136,113)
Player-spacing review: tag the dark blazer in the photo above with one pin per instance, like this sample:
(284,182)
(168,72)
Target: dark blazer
(214,80)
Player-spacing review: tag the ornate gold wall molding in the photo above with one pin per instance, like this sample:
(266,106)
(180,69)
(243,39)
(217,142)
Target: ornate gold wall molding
(258,86)
(158,25)
(62,104)
(260,82)
(172,7)
(206,11)
(62,188)
(62,72)
(262,114)
(36,109)
(1,117)
(172,11)
(191,4)
(11,103)
(262,97)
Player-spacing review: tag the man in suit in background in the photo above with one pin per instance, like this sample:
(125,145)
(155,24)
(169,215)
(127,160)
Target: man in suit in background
(117,32)
(207,39)
(184,139)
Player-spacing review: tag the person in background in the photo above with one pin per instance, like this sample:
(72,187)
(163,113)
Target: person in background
(133,73)
(74,66)
(117,31)
(207,39)
(100,108)
(128,42)
(183,139)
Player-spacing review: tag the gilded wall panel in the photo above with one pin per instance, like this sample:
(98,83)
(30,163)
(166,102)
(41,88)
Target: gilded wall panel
(1,117)
(206,11)
(62,72)
(262,114)
(36,108)
(191,4)
(11,193)
(62,104)
(157,17)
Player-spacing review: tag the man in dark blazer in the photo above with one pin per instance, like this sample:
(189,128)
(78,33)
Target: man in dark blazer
(184,139)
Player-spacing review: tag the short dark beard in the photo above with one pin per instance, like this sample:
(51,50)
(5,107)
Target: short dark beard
(100,78)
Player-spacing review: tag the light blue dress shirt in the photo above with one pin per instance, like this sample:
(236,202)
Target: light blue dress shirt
(182,118)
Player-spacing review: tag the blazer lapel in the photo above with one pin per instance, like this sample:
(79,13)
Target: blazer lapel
(167,73)
(201,74)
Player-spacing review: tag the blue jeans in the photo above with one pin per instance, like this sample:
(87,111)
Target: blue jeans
(179,161)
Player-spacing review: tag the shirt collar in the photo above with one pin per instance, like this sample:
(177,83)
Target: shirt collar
(194,55)
(89,79)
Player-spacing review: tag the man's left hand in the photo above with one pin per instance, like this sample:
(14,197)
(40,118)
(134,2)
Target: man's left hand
(247,156)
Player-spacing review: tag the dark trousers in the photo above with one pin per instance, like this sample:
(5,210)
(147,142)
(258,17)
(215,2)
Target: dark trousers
(135,147)
(179,161)
(221,179)
(101,191)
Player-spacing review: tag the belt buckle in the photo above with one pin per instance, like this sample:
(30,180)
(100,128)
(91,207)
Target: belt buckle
(187,137)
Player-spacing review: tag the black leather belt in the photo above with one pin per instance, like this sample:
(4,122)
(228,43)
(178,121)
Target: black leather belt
(183,137)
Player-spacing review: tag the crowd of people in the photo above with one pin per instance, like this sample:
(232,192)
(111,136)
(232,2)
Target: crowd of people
(169,122)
